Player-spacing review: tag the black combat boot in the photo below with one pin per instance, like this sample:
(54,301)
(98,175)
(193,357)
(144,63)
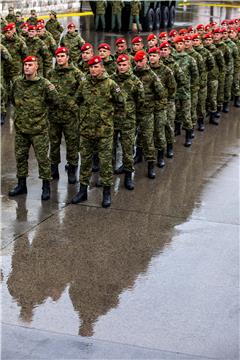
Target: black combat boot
(188,138)
(106,202)
(66,166)
(138,156)
(213,120)
(225,107)
(177,130)
(192,133)
(218,113)
(237,101)
(81,195)
(200,124)
(151,171)
(128,183)
(160,159)
(95,162)
(45,190)
(3,118)
(72,174)
(170,151)
(21,187)
(120,170)
(54,171)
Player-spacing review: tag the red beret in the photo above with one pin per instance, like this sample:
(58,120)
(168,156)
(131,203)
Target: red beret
(86,46)
(224,29)
(196,36)
(122,57)
(231,22)
(238,29)
(213,23)
(162,35)
(216,31)
(207,27)
(137,40)
(32,27)
(25,24)
(164,44)
(71,25)
(188,37)
(173,33)
(104,46)
(182,31)
(140,55)
(190,28)
(154,50)
(95,60)
(200,26)
(207,36)
(9,26)
(231,29)
(120,41)
(179,39)
(30,58)
(42,21)
(151,37)
(61,50)
(40,26)
(224,22)
(236,21)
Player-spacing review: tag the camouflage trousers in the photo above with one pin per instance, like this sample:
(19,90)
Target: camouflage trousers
(183,113)
(4,97)
(70,131)
(103,146)
(160,121)
(220,93)
(97,21)
(127,140)
(228,87)
(145,135)
(212,96)
(201,104)
(117,21)
(134,19)
(236,83)
(169,128)
(40,143)
(194,102)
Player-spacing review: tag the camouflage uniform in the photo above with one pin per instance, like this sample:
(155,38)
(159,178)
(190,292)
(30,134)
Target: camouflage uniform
(64,119)
(224,74)
(6,65)
(134,15)
(145,115)
(30,99)
(236,75)
(110,65)
(49,41)
(32,20)
(117,14)
(231,68)
(18,50)
(11,18)
(37,47)
(236,66)
(97,97)
(3,23)
(73,41)
(54,27)
(183,104)
(161,125)
(125,122)
(83,66)
(100,13)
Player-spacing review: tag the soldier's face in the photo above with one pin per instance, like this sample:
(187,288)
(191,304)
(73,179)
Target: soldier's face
(191,32)
(96,70)
(225,35)
(104,53)
(123,67)
(141,64)
(87,54)
(217,36)
(51,16)
(188,44)
(200,31)
(121,48)
(152,43)
(40,32)
(9,34)
(154,58)
(62,59)
(71,29)
(165,52)
(18,17)
(196,42)
(25,29)
(180,46)
(161,40)
(30,68)
(208,41)
(232,34)
(32,33)
(137,46)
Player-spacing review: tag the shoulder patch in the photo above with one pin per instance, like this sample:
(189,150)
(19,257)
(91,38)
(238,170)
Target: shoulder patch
(117,89)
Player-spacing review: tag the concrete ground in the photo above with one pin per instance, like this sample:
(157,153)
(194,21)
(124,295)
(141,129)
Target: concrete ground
(156,276)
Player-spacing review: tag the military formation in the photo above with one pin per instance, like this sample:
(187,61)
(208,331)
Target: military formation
(141,97)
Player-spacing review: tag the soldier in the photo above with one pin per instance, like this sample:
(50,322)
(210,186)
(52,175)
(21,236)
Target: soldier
(236,75)
(11,17)
(24,30)
(6,65)
(47,38)
(100,14)
(183,106)
(122,48)
(152,41)
(200,29)
(117,7)
(104,51)
(19,21)
(31,96)
(163,36)
(86,55)
(32,20)
(134,15)
(98,95)
(73,41)
(53,26)
(36,46)
(137,44)
(125,122)
(190,30)
(64,119)
(3,23)
(145,115)
(160,110)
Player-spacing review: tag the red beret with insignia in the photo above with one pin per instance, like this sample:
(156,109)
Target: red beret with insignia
(213,23)
(196,36)
(163,34)
(182,31)
(207,27)
(224,29)
(61,50)
(122,57)
(173,33)
(30,59)
(231,29)
(25,24)
(120,41)
(32,27)
(200,26)
(140,55)
(224,22)
(154,50)
(164,44)
(9,26)
(137,40)
(40,26)
(86,46)
(151,37)
(71,25)
(95,60)
(104,46)
(207,36)
(231,22)
(188,37)
(41,21)
(179,39)
(190,28)
(216,31)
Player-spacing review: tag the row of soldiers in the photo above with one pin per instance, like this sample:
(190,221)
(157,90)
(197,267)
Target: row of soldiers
(154,92)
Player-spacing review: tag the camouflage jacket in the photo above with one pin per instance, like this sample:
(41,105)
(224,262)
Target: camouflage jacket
(3,22)
(37,47)
(117,7)
(235,53)
(98,98)
(200,65)
(54,27)
(31,99)
(209,62)
(49,41)
(11,18)
(18,24)
(66,81)
(32,20)
(190,69)
(169,84)
(74,42)
(18,51)
(100,7)
(219,67)
(133,91)
(83,66)
(110,65)
(153,89)
(135,7)
(226,55)
(6,64)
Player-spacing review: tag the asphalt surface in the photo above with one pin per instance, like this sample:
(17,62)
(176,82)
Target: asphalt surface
(156,276)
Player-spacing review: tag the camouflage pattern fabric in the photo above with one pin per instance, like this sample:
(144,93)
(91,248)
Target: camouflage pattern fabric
(6,65)
(73,41)
(49,41)
(54,27)
(18,50)
(37,47)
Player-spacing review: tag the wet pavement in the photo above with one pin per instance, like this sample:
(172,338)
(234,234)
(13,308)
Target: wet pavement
(156,276)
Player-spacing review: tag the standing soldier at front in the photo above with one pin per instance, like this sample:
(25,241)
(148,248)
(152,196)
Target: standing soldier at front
(97,95)
(31,97)
(73,41)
